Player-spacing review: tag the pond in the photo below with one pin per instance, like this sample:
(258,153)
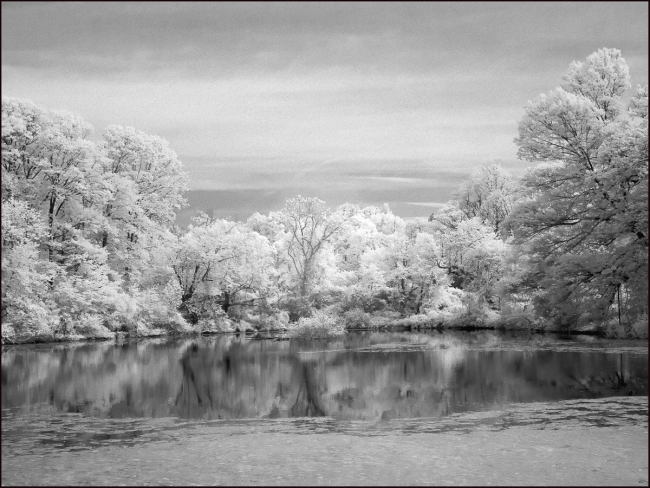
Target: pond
(387,408)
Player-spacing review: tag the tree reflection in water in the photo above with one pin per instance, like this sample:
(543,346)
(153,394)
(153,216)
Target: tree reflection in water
(361,376)
(227,384)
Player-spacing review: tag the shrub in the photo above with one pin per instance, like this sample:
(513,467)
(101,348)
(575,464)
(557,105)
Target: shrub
(445,300)
(297,308)
(356,318)
(364,302)
(29,322)
(417,321)
(320,325)
(217,323)
(515,321)
(612,329)
(640,328)
(91,326)
(275,321)
(384,318)
(174,323)
(471,318)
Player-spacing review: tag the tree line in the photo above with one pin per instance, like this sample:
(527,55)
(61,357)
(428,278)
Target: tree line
(90,246)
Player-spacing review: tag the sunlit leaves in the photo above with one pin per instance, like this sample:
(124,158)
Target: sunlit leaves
(490,194)
(585,224)
(97,217)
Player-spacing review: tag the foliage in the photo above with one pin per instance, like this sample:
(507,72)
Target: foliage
(585,225)
(471,252)
(221,264)
(86,226)
(489,195)
(320,325)
(356,318)
(309,226)
(90,248)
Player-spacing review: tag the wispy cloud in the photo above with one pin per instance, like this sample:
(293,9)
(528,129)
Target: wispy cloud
(435,205)
(391,179)
(357,98)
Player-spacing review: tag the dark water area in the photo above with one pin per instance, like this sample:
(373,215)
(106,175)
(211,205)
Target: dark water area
(234,409)
(364,376)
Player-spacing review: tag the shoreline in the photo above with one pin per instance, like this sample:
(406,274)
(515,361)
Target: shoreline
(251,331)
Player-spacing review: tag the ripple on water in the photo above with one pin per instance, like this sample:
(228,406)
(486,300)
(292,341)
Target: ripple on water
(42,434)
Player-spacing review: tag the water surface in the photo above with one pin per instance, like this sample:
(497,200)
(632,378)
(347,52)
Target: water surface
(238,396)
(363,376)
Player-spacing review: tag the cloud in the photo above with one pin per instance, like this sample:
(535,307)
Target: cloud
(281,116)
(242,203)
(391,179)
(435,205)
(224,39)
(378,101)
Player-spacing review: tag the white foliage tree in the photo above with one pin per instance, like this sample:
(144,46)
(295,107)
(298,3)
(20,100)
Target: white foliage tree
(586,223)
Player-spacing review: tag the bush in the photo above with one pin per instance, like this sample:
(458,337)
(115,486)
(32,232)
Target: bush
(363,302)
(418,321)
(297,308)
(477,317)
(445,301)
(640,328)
(320,325)
(29,321)
(175,323)
(356,318)
(8,333)
(384,318)
(90,326)
(516,321)
(637,330)
(214,325)
(275,321)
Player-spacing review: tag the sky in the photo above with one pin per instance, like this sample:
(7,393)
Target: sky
(365,103)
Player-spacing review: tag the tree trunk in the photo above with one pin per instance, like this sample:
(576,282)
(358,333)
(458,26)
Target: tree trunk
(50,252)
(304,281)
(618,293)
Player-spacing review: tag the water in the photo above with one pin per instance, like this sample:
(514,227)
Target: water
(236,410)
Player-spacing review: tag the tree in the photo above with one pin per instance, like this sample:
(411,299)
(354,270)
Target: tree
(222,263)
(309,226)
(472,254)
(489,195)
(26,306)
(107,210)
(449,216)
(471,232)
(357,280)
(147,183)
(403,268)
(48,162)
(585,223)
(420,275)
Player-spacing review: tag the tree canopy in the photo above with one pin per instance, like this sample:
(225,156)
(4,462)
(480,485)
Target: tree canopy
(585,224)
(90,247)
